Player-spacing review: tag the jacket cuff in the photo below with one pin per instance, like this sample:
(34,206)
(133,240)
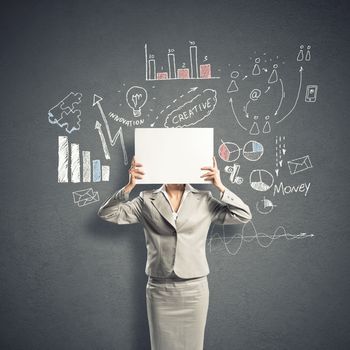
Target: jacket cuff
(121,195)
(229,197)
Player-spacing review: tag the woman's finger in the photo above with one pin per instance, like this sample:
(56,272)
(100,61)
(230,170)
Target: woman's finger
(207,174)
(207,168)
(138,171)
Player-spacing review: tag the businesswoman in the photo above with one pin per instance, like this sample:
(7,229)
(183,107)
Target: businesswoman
(176,220)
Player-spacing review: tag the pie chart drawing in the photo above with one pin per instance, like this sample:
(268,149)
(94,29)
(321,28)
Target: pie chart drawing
(265,206)
(253,150)
(261,180)
(229,151)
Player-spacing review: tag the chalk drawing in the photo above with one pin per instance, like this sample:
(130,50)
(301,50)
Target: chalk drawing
(253,150)
(308,53)
(136,98)
(283,95)
(255,94)
(300,56)
(85,197)
(280,151)
(233,171)
(264,206)
(182,99)
(304,56)
(75,162)
(268,83)
(256,70)
(289,189)
(261,180)
(193,111)
(126,122)
(69,158)
(311,93)
(98,127)
(65,113)
(105,172)
(248,234)
(254,130)
(194,70)
(233,87)
(267,125)
(230,151)
(299,164)
(86,166)
(297,96)
(112,140)
(273,78)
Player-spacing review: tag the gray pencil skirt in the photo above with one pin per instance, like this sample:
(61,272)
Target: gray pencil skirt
(177,313)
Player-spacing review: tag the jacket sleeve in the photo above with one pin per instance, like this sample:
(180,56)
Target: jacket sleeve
(230,209)
(120,210)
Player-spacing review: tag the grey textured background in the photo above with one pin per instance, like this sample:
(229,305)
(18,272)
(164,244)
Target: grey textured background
(72,281)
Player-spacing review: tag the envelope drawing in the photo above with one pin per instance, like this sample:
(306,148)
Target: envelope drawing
(85,197)
(299,164)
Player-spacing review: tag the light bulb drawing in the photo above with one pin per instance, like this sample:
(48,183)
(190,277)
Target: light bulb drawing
(136,97)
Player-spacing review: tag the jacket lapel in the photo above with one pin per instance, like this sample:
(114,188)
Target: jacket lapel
(187,207)
(161,204)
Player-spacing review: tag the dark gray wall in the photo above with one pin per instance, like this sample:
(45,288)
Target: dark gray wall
(70,280)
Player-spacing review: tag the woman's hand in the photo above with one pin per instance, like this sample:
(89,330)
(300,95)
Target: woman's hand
(134,173)
(213,175)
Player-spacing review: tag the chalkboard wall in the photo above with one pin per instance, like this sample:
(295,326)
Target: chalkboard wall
(79,76)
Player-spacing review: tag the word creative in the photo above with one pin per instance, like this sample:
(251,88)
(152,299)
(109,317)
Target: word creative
(193,111)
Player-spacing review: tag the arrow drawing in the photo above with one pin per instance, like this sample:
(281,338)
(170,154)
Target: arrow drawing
(234,113)
(112,140)
(103,140)
(298,94)
(283,95)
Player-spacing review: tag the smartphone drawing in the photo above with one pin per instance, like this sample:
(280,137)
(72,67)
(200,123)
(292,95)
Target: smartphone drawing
(311,93)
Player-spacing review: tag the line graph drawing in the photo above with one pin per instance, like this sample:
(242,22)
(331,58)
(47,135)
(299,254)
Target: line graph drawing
(98,126)
(112,140)
(233,243)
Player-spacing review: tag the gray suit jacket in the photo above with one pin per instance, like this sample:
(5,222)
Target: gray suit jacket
(175,246)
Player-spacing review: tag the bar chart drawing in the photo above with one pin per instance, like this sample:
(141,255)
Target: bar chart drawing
(194,70)
(78,167)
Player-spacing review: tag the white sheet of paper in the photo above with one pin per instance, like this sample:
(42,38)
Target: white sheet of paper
(174,155)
